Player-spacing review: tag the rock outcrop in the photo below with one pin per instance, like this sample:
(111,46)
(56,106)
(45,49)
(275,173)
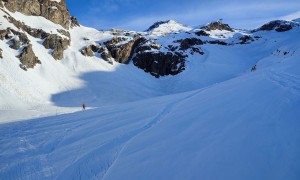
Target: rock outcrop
(201,33)
(121,49)
(57,44)
(90,50)
(218,25)
(28,58)
(1,57)
(37,33)
(74,22)
(18,40)
(278,25)
(54,11)
(159,63)
(188,43)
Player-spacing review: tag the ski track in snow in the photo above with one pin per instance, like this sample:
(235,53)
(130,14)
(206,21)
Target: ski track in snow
(109,152)
(285,80)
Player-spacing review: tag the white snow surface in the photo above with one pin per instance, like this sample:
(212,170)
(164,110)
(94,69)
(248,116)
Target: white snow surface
(170,26)
(215,120)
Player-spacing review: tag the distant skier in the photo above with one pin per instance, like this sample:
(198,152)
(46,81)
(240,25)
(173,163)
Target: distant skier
(83,106)
(253,68)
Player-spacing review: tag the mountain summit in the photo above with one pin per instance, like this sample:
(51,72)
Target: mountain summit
(166,27)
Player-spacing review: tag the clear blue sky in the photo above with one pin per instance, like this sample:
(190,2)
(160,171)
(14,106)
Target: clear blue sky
(140,14)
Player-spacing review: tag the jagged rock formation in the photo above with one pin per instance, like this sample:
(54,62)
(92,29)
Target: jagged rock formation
(278,25)
(18,40)
(1,57)
(118,48)
(88,51)
(57,44)
(159,63)
(74,22)
(56,12)
(201,33)
(218,25)
(28,58)
(188,43)
(246,39)
(121,52)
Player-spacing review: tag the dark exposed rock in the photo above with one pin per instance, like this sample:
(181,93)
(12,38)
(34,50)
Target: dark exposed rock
(159,64)
(142,44)
(15,43)
(4,34)
(246,39)
(197,50)
(74,22)
(18,40)
(28,58)
(172,48)
(37,33)
(1,5)
(58,44)
(89,50)
(1,57)
(201,33)
(218,25)
(218,42)
(188,43)
(56,12)
(278,25)
(114,41)
(121,52)
(22,36)
(63,32)
(105,54)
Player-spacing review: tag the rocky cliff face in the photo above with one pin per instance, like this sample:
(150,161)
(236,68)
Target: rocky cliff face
(56,12)
(28,58)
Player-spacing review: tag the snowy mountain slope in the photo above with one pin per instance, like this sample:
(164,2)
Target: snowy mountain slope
(78,79)
(214,119)
(243,128)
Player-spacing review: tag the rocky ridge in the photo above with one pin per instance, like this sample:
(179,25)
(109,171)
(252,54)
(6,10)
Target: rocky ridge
(162,50)
(155,56)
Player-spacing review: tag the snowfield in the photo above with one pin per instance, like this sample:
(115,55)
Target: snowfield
(215,120)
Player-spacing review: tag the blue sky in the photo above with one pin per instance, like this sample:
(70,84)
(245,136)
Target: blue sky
(140,14)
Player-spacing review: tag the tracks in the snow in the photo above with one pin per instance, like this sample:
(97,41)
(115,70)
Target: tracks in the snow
(96,164)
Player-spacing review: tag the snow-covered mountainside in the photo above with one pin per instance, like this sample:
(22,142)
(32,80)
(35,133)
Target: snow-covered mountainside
(173,102)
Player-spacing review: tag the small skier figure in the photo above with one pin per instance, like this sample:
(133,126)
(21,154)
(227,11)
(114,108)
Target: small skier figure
(83,106)
(253,68)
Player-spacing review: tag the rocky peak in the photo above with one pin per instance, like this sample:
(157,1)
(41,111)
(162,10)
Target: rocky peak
(53,10)
(217,25)
(278,25)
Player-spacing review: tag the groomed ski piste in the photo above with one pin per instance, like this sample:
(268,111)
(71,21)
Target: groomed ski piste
(215,120)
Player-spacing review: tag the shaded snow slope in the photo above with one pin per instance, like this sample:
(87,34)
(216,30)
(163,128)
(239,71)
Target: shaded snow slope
(244,128)
(78,79)
(215,120)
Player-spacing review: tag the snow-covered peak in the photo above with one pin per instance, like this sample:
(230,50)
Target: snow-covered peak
(166,27)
